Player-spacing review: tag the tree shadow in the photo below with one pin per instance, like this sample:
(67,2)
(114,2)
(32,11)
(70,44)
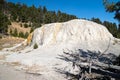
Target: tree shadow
(68,74)
(84,56)
(105,58)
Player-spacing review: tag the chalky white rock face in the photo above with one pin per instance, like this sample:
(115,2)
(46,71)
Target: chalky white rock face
(76,31)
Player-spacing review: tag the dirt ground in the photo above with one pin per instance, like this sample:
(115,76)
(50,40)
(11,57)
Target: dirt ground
(9,73)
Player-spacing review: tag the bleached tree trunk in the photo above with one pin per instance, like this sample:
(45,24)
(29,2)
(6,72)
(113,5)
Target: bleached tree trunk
(82,76)
(85,64)
(90,65)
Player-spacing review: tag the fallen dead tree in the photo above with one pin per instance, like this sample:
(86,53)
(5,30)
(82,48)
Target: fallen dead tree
(103,69)
(90,62)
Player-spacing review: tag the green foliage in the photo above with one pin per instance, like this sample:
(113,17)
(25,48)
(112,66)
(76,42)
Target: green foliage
(20,24)
(21,34)
(26,35)
(35,46)
(29,25)
(2,4)
(15,34)
(112,27)
(113,7)
(26,25)
(118,35)
(36,25)
(2,1)
(44,9)
(32,29)
(10,31)
(22,13)
(97,20)
(118,32)
(62,17)
(4,22)
(37,16)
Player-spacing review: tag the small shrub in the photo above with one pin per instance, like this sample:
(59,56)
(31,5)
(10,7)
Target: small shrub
(31,30)
(21,25)
(35,46)
(30,25)
(9,23)
(15,34)
(21,34)
(10,32)
(26,35)
(26,25)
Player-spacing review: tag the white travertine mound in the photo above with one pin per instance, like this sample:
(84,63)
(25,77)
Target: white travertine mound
(76,31)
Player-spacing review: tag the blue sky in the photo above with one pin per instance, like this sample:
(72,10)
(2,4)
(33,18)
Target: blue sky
(80,8)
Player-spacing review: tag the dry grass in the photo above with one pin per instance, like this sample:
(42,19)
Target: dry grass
(9,42)
(13,63)
(16,25)
(34,69)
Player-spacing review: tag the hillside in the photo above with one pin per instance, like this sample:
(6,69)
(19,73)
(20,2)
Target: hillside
(21,13)
(62,44)
(11,40)
(16,25)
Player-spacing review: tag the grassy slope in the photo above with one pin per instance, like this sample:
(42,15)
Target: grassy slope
(15,25)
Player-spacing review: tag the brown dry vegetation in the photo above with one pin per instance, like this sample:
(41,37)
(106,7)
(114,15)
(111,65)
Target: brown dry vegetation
(16,25)
(9,42)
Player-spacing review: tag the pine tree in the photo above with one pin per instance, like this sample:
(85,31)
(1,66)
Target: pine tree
(44,9)
(97,20)
(10,31)
(31,30)
(113,7)
(4,22)
(21,34)
(15,34)
(26,35)
(112,27)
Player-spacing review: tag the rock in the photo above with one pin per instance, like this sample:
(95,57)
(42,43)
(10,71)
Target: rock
(77,31)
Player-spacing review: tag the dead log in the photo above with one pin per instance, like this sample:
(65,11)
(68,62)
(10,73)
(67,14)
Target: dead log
(100,68)
(98,65)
